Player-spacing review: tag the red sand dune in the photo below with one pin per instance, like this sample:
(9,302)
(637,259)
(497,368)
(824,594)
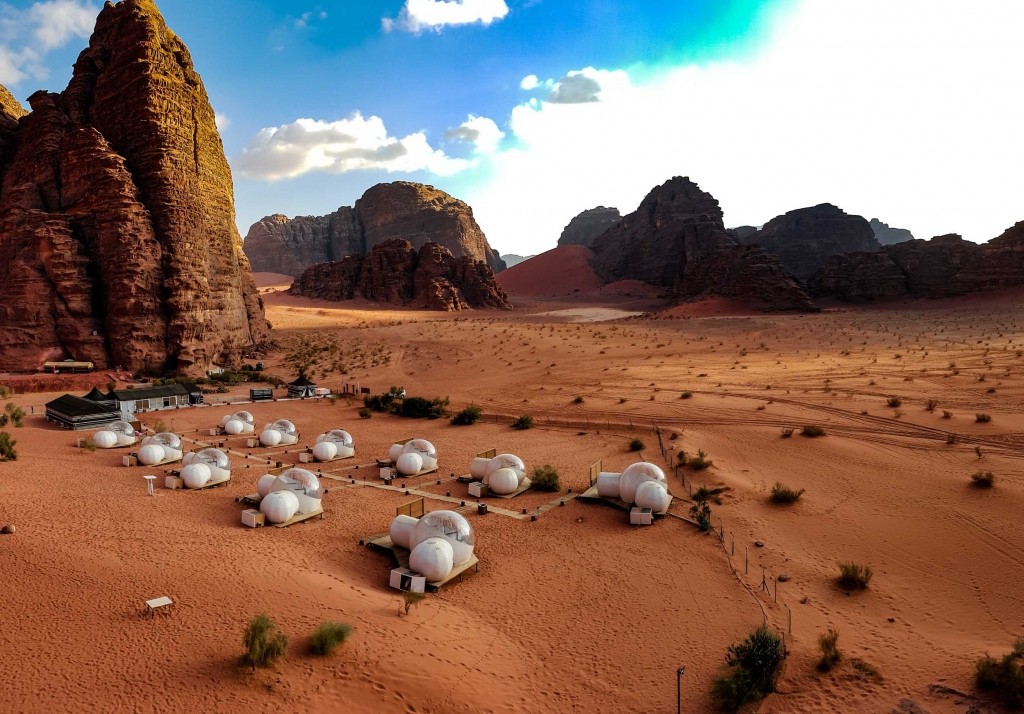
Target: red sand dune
(556,273)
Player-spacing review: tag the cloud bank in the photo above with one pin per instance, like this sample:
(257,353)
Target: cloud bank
(27,35)
(419,15)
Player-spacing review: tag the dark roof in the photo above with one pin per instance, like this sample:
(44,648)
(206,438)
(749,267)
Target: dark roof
(110,396)
(73,406)
(166,390)
(96,396)
(302,382)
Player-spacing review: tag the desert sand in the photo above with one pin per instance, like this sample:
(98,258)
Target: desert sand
(576,611)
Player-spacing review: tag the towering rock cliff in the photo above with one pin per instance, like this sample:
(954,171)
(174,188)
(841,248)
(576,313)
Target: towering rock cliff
(410,211)
(395,272)
(887,235)
(584,228)
(117,236)
(10,112)
(677,239)
(803,239)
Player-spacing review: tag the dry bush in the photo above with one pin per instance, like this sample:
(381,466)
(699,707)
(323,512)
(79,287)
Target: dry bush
(983,479)
(813,430)
(830,655)
(853,576)
(784,495)
(1003,677)
(982,418)
(264,643)
(328,636)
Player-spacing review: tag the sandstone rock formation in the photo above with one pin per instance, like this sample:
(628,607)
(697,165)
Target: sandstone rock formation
(117,235)
(803,239)
(10,112)
(402,209)
(676,239)
(887,235)
(395,272)
(945,266)
(584,228)
(511,260)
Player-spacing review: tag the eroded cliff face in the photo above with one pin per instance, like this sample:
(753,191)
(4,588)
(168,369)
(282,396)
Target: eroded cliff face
(404,210)
(588,225)
(395,272)
(677,239)
(117,236)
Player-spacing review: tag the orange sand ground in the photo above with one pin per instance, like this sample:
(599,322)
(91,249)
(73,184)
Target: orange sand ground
(577,611)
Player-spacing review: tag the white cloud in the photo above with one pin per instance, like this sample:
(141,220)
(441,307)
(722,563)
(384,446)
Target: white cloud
(419,15)
(481,132)
(530,82)
(27,35)
(353,144)
(222,121)
(886,109)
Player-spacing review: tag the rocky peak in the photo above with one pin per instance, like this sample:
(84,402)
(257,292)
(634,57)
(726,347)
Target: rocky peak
(117,235)
(10,108)
(588,225)
(803,239)
(887,235)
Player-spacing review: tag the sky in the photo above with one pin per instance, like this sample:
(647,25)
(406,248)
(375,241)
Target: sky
(532,111)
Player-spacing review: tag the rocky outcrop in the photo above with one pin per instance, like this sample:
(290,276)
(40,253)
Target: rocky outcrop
(117,230)
(860,277)
(584,228)
(887,235)
(803,239)
(512,260)
(402,209)
(394,272)
(10,112)
(743,234)
(676,239)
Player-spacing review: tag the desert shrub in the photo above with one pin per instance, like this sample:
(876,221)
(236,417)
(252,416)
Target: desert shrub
(523,422)
(328,636)
(1003,677)
(930,406)
(3,419)
(700,461)
(813,430)
(577,400)
(467,416)
(947,415)
(787,432)
(14,413)
(111,386)
(983,479)
(5,392)
(755,666)
(784,494)
(159,426)
(264,643)
(853,576)
(89,445)
(421,408)
(686,395)
(409,599)
(545,478)
(863,670)
(383,402)
(636,445)
(894,402)
(830,654)
(700,511)
(982,418)
(365,413)
(7,444)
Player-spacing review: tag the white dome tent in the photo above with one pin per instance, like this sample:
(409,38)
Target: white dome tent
(115,435)
(334,445)
(641,488)
(162,448)
(293,496)
(281,433)
(413,457)
(502,474)
(440,544)
(241,422)
(208,467)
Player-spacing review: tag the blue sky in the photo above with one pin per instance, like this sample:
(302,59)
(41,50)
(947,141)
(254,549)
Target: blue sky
(533,110)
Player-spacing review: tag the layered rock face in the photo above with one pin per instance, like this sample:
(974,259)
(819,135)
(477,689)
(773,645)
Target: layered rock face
(395,272)
(945,266)
(584,228)
(677,239)
(887,235)
(803,239)
(117,235)
(410,211)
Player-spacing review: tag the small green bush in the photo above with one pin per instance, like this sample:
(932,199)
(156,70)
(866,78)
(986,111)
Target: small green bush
(523,422)
(159,427)
(422,408)
(467,416)
(545,478)
(784,494)
(947,415)
(756,664)
(813,430)
(328,636)
(894,402)
(700,511)
(700,462)
(409,599)
(982,418)
(830,654)
(686,395)
(7,444)
(853,576)
(365,413)
(577,400)
(264,643)
(636,445)
(983,479)
(1003,677)
(930,406)
(14,413)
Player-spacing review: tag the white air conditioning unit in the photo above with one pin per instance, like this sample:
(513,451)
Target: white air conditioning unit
(641,516)
(408,581)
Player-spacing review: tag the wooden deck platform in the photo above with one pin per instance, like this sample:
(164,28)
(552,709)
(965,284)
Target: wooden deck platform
(383,544)
(299,518)
(225,482)
(591,496)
